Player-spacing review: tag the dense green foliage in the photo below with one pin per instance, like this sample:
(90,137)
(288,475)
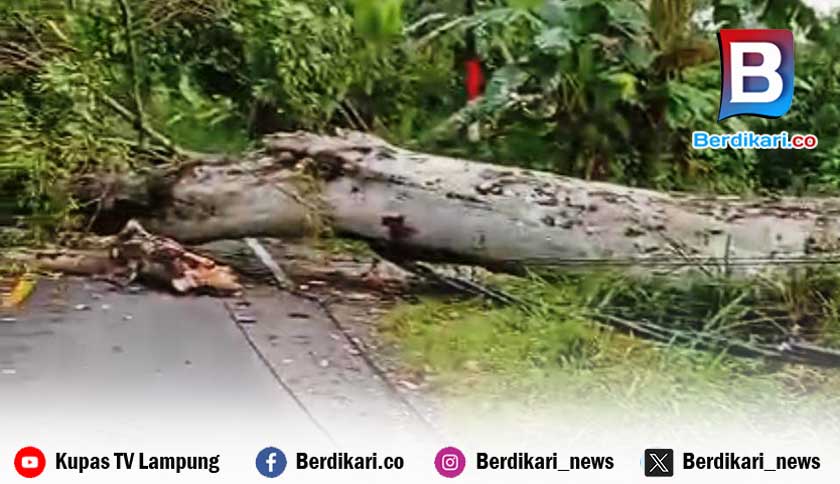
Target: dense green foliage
(108,84)
(612,90)
(602,89)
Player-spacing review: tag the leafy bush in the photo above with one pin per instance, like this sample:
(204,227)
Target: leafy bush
(76,78)
(814,110)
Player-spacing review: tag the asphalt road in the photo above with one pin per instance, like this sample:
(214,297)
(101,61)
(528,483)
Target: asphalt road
(268,364)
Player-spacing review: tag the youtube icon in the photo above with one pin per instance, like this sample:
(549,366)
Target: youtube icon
(30,462)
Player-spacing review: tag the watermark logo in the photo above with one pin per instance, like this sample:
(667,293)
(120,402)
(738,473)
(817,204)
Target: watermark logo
(30,462)
(271,462)
(756,72)
(748,140)
(450,462)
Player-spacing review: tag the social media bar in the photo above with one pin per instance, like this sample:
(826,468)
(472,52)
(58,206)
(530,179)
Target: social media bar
(449,462)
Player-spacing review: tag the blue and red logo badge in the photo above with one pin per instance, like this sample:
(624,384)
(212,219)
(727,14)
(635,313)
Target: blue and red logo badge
(756,72)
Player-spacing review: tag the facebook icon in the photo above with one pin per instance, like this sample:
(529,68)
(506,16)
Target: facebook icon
(271,462)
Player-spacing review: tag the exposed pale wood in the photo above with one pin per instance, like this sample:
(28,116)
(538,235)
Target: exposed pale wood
(133,253)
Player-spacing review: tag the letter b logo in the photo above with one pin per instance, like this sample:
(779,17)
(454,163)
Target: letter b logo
(756,72)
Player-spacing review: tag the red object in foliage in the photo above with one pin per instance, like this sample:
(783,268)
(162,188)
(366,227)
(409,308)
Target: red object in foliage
(475,79)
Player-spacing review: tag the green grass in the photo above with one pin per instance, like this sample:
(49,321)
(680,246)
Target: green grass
(556,356)
(343,246)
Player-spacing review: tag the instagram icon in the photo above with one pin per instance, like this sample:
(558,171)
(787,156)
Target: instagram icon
(450,462)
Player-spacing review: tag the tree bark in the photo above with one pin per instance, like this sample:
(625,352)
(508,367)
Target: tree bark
(436,208)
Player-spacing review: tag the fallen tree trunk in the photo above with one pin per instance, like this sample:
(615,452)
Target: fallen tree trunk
(442,209)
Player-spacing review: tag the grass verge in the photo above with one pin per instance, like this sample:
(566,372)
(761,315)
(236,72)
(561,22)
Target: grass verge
(557,355)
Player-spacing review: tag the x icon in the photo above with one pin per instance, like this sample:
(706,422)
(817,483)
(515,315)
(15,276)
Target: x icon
(659,462)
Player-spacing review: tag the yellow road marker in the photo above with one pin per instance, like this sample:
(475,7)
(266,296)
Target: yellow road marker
(19,293)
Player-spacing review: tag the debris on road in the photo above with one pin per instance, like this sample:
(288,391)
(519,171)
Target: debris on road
(245,318)
(409,386)
(134,254)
